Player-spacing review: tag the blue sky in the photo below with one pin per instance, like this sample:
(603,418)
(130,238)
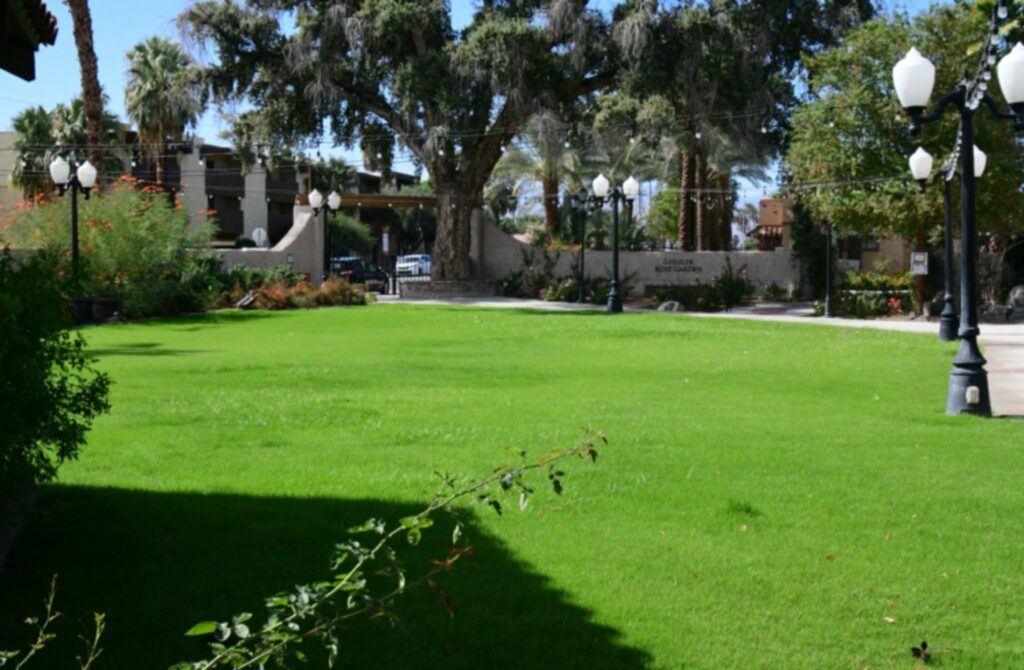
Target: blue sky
(120,24)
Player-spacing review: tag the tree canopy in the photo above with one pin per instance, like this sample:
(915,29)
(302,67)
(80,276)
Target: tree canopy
(396,75)
(853,129)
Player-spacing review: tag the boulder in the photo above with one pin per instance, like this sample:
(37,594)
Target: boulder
(1016,298)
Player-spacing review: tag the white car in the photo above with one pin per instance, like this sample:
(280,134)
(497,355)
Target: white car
(416,265)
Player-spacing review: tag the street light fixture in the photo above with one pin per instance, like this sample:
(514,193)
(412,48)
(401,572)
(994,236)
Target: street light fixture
(921,167)
(82,182)
(601,191)
(914,79)
(316,201)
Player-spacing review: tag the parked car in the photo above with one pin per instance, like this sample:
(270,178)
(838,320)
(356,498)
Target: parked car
(358,271)
(415,265)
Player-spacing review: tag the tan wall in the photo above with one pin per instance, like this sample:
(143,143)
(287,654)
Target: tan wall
(496,254)
(775,212)
(892,247)
(303,246)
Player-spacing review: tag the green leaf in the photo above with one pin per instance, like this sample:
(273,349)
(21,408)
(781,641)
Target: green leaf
(202,628)
(414,536)
(240,630)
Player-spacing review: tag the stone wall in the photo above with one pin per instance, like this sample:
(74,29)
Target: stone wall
(497,254)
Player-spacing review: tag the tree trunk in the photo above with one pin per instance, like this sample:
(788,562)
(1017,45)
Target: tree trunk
(920,244)
(158,162)
(700,230)
(450,257)
(685,203)
(92,94)
(551,219)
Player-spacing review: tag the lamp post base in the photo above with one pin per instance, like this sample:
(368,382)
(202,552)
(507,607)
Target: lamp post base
(614,301)
(949,324)
(961,382)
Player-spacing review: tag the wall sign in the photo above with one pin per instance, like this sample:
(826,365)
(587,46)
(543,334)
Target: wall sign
(919,263)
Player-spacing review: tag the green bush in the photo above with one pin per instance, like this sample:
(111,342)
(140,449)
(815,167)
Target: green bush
(877,281)
(49,393)
(249,278)
(774,292)
(136,246)
(695,298)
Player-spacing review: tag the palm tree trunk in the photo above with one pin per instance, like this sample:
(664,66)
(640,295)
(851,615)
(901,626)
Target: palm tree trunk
(551,221)
(92,94)
(685,221)
(159,161)
(700,230)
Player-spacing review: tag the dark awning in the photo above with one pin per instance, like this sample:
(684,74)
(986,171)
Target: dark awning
(24,25)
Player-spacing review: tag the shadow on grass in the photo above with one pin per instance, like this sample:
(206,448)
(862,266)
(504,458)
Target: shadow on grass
(196,322)
(156,563)
(139,349)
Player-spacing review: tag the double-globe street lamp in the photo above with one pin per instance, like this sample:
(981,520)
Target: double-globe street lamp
(584,202)
(316,201)
(82,181)
(921,168)
(914,79)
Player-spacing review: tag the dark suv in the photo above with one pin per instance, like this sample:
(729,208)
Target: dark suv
(356,270)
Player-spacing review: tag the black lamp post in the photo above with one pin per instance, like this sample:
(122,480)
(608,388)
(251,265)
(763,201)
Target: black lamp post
(82,182)
(949,324)
(828,270)
(316,201)
(578,204)
(914,77)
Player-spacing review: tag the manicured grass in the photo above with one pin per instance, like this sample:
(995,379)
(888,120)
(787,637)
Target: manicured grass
(772,496)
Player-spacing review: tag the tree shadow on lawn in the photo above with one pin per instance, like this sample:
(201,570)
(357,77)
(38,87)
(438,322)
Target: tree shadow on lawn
(156,563)
(191,323)
(139,349)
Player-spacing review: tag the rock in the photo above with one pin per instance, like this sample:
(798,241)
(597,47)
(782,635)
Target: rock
(670,306)
(1016,298)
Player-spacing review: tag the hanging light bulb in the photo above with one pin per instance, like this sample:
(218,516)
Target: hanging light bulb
(1002,12)
(697,134)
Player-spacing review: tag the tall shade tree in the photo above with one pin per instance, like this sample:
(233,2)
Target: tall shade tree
(853,129)
(92,93)
(397,72)
(160,96)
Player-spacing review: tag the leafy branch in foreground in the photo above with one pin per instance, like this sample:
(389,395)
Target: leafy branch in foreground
(44,635)
(368,577)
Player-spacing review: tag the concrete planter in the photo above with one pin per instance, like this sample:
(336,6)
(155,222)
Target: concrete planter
(434,290)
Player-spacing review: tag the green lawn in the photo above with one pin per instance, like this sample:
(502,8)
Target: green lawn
(771,496)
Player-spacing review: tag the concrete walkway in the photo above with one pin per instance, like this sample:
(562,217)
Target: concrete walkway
(1003,344)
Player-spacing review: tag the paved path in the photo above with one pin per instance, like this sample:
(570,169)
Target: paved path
(1003,343)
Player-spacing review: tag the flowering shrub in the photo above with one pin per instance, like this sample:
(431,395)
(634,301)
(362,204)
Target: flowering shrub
(333,292)
(135,243)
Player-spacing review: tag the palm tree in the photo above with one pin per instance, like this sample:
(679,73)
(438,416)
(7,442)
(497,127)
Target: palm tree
(70,136)
(33,147)
(159,96)
(92,94)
